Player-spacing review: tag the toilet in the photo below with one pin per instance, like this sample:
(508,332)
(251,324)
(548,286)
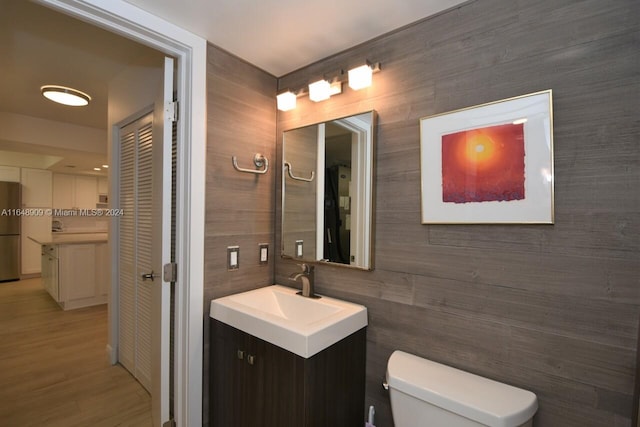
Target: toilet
(428,394)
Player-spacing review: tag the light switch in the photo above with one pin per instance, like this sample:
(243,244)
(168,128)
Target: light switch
(264,253)
(233,257)
(299,248)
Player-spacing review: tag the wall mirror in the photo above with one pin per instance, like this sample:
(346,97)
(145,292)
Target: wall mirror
(327,191)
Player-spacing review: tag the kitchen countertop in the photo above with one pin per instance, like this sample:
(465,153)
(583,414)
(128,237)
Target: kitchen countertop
(69,238)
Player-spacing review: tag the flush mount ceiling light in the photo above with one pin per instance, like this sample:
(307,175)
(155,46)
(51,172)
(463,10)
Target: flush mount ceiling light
(65,95)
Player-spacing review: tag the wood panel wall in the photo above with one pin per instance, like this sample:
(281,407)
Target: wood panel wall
(240,207)
(549,308)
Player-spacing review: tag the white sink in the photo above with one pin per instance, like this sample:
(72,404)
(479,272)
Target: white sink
(301,325)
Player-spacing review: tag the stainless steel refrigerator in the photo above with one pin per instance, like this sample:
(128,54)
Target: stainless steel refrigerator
(9,231)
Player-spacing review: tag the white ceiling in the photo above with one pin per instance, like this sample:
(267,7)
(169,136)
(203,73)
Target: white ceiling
(281,36)
(39,46)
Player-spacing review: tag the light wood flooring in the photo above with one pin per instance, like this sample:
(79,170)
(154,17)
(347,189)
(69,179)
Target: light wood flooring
(54,369)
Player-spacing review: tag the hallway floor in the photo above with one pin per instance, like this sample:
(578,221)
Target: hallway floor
(54,369)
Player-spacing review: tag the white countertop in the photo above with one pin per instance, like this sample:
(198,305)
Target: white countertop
(69,238)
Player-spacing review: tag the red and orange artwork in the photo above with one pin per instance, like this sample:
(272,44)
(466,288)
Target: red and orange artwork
(483,165)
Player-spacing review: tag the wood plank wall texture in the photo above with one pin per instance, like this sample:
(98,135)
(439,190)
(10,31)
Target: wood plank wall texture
(550,308)
(240,207)
(553,309)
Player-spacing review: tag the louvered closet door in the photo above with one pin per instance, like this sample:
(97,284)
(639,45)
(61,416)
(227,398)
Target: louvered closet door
(135,233)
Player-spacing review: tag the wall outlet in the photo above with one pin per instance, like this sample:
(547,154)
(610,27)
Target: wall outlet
(299,250)
(263,254)
(233,258)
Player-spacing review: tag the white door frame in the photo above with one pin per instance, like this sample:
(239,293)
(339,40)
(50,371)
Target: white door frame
(190,51)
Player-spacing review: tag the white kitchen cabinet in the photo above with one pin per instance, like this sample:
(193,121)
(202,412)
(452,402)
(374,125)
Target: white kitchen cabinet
(86,192)
(50,270)
(9,174)
(32,225)
(102,269)
(76,275)
(103,185)
(36,188)
(77,272)
(74,191)
(63,191)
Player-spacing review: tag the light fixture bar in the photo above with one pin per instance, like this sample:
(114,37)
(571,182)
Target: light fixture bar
(320,90)
(65,95)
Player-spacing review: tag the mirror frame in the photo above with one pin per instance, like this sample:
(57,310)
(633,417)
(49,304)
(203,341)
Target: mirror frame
(319,208)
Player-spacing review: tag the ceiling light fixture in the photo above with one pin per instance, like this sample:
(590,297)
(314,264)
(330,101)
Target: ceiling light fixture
(65,95)
(321,90)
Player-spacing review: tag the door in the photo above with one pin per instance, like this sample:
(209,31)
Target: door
(144,248)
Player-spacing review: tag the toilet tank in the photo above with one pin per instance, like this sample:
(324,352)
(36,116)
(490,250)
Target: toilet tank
(426,393)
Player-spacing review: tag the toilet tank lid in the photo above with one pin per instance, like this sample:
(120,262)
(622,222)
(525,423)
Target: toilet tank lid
(480,399)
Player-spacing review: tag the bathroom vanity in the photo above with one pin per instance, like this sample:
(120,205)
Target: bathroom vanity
(270,367)
(256,383)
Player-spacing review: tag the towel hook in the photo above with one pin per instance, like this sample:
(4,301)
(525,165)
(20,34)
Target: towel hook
(287,165)
(259,160)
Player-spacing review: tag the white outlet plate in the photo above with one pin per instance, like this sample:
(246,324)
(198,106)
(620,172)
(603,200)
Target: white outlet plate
(263,253)
(233,258)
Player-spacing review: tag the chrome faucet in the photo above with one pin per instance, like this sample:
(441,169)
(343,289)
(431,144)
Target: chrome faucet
(306,277)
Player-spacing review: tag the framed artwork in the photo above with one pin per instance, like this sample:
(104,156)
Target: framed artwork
(489,164)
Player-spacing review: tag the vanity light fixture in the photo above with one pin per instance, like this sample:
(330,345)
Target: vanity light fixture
(324,89)
(361,77)
(358,78)
(320,90)
(286,101)
(96,169)
(65,95)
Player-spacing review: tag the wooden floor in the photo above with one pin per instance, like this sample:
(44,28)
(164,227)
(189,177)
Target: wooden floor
(54,369)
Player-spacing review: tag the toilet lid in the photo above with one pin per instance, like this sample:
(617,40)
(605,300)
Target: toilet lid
(480,399)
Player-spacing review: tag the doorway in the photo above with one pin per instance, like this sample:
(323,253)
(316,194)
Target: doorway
(190,51)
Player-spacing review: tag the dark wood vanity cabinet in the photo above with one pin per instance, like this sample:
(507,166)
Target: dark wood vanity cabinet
(257,384)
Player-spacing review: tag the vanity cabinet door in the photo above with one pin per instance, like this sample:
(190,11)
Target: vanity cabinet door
(283,388)
(228,378)
(253,382)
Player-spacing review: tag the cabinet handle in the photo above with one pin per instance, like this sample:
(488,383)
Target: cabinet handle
(240,354)
(251,359)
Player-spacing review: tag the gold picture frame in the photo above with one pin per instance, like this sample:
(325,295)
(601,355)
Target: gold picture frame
(490,163)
